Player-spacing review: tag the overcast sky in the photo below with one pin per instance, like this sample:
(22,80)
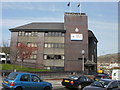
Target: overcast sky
(102,18)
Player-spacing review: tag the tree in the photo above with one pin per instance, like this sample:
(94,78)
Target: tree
(24,51)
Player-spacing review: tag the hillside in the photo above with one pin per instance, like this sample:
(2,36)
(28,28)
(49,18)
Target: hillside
(109,58)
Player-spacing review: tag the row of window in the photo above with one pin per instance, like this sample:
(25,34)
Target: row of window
(29,44)
(46,45)
(31,33)
(54,57)
(21,33)
(33,56)
(54,45)
(54,34)
(48,57)
(26,77)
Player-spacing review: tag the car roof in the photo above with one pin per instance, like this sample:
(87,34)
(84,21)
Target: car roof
(108,80)
(23,73)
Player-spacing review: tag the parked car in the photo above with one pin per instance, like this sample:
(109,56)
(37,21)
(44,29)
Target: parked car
(25,81)
(76,82)
(101,76)
(104,84)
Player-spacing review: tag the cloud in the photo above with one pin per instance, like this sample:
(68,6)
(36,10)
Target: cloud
(30,6)
(60,0)
(104,26)
(21,21)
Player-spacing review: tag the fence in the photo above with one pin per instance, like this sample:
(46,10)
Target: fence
(52,74)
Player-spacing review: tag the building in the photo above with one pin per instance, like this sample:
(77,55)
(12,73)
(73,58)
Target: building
(68,46)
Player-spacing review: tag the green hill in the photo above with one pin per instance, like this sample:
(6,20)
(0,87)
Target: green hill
(109,58)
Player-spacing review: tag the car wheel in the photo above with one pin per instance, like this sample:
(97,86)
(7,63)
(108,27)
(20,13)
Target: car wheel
(47,88)
(18,88)
(79,87)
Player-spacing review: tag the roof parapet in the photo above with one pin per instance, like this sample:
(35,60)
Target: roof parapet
(71,13)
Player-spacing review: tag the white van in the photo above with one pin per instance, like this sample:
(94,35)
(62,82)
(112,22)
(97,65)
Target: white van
(2,57)
(116,74)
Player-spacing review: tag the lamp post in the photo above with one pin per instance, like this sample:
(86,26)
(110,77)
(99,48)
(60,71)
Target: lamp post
(83,53)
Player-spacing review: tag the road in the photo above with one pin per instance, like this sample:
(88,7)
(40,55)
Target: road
(57,85)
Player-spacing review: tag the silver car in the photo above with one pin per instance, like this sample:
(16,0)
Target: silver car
(104,84)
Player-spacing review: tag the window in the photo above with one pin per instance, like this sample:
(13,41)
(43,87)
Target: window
(35,33)
(45,56)
(119,83)
(18,44)
(55,57)
(29,44)
(54,34)
(45,45)
(28,33)
(49,34)
(12,76)
(19,33)
(82,78)
(25,78)
(49,45)
(34,52)
(63,57)
(63,34)
(46,34)
(33,56)
(59,34)
(114,85)
(35,78)
(54,45)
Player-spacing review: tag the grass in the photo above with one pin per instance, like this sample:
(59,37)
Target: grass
(19,68)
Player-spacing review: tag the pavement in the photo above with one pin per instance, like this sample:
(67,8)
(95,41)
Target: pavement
(1,80)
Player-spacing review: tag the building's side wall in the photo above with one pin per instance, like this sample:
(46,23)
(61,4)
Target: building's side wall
(40,41)
(93,52)
(73,49)
(13,49)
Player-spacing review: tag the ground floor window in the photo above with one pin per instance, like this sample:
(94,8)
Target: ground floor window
(55,68)
(53,56)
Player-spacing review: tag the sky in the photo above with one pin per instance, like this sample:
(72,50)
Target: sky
(102,19)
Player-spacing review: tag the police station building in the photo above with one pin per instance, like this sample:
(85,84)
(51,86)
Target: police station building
(68,46)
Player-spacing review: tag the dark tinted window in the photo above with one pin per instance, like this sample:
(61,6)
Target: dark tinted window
(101,83)
(12,76)
(25,78)
(3,56)
(73,77)
(119,83)
(35,78)
(114,85)
(83,78)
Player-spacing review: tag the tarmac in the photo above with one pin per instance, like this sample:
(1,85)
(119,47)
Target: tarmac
(1,80)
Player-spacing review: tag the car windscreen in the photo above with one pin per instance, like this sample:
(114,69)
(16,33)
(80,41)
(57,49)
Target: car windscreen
(101,83)
(73,77)
(98,77)
(12,76)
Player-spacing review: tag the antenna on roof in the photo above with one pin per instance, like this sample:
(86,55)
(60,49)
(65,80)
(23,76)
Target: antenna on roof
(79,5)
(69,5)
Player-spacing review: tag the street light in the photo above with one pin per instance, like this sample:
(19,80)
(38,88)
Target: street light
(83,53)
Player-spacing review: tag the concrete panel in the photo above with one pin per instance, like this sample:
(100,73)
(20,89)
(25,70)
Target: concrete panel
(53,51)
(58,63)
(54,39)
